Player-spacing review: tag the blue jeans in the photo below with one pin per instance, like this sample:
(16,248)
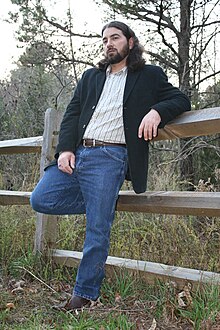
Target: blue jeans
(92,189)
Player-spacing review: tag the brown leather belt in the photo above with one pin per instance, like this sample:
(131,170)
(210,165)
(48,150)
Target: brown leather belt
(97,143)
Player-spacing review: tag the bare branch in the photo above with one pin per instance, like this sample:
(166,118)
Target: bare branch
(207,77)
(205,24)
(69,31)
(146,15)
(162,35)
(204,47)
(163,60)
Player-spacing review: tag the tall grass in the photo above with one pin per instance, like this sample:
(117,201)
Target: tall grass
(181,241)
(128,302)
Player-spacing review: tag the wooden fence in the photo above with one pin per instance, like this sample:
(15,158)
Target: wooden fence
(190,124)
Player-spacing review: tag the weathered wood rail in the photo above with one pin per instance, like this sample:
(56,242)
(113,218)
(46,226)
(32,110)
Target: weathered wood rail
(190,124)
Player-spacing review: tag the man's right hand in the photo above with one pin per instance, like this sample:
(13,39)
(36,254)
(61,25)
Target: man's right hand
(66,162)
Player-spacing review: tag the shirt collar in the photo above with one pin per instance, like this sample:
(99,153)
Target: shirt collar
(123,70)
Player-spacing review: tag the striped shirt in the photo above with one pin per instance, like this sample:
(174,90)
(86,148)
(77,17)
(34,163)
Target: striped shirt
(106,123)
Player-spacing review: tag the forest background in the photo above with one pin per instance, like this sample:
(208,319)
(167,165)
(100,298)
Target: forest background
(181,36)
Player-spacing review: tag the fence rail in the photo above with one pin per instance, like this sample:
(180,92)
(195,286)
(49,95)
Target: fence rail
(160,202)
(190,124)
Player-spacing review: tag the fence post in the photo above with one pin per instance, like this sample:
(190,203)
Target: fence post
(46,225)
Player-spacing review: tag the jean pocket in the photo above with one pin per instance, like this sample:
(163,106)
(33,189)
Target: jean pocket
(116,152)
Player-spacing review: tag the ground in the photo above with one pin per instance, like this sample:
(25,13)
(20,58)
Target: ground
(28,304)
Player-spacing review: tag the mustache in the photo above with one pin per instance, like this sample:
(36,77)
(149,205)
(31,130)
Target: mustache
(111,49)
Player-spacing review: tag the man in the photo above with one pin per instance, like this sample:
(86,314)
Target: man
(115,111)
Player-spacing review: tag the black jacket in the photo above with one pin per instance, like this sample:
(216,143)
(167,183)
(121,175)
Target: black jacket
(144,89)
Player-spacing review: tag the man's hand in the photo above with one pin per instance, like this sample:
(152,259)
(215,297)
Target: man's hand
(149,125)
(66,162)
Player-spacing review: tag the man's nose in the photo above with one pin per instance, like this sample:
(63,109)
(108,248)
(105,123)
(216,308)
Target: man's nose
(109,43)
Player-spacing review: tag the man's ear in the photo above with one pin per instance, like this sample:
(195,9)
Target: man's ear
(131,43)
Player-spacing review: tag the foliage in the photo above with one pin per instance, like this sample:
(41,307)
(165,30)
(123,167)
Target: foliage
(206,160)
(165,156)
(211,97)
(52,40)
(24,100)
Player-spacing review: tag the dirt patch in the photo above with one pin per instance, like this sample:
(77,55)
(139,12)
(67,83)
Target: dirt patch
(29,305)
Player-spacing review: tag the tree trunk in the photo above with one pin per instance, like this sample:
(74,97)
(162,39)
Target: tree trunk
(186,164)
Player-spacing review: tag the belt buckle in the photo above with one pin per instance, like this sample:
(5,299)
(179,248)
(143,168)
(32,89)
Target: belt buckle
(93,144)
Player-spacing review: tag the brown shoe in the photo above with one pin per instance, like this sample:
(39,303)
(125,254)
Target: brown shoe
(77,302)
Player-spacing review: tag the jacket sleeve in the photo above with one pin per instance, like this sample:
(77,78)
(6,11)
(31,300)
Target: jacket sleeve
(69,125)
(171,101)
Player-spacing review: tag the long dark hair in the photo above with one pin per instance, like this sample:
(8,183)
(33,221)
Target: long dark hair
(135,61)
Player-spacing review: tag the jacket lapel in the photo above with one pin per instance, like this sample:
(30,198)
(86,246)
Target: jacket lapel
(130,82)
(100,80)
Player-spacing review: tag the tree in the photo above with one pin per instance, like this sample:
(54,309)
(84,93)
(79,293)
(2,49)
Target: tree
(184,31)
(47,72)
(24,98)
(208,148)
(52,41)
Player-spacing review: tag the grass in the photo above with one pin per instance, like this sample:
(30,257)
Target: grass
(205,307)
(182,241)
(127,301)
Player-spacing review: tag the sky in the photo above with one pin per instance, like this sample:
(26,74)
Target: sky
(7,41)
(9,46)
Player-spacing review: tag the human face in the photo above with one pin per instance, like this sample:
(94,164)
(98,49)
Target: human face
(115,45)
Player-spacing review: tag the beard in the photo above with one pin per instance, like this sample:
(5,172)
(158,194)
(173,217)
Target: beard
(114,58)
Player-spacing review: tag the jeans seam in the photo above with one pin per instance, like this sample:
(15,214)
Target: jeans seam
(112,156)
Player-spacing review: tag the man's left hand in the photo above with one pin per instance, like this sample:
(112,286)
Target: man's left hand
(149,125)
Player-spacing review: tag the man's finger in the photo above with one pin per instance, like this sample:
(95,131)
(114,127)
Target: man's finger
(72,162)
(155,130)
(140,130)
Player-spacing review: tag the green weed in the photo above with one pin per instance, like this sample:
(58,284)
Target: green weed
(121,287)
(205,306)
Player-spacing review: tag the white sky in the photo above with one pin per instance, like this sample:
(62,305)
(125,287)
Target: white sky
(8,46)
(87,14)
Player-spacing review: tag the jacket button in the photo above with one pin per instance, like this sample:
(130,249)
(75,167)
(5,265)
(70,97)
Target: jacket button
(93,107)
(84,126)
